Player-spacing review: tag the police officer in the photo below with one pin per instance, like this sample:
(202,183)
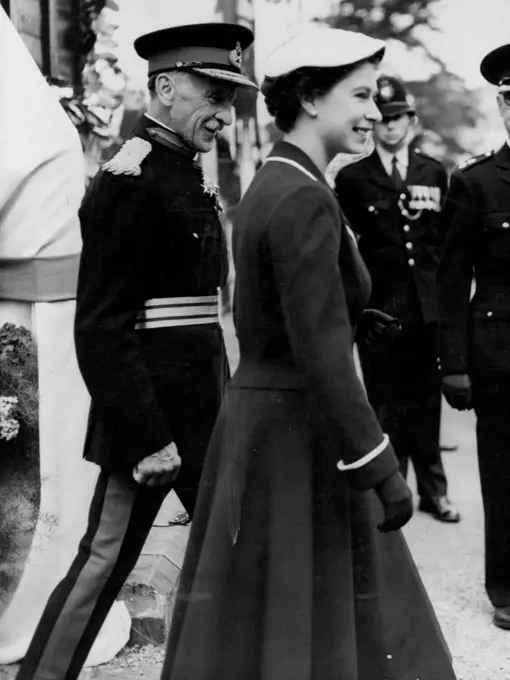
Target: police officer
(475,335)
(147,335)
(393,200)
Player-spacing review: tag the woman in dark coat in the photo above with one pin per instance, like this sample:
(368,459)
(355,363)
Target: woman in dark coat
(294,568)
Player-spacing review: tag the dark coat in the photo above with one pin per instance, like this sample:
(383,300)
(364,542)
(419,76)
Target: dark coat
(401,253)
(286,575)
(152,235)
(475,335)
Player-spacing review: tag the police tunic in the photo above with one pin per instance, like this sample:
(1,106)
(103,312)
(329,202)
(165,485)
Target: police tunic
(475,334)
(400,239)
(147,335)
(399,230)
(286,575)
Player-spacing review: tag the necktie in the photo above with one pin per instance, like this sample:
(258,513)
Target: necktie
(395,174)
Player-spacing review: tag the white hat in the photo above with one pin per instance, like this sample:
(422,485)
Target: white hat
(321,47)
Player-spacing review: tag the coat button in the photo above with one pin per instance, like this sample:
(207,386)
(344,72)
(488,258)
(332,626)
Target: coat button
(371,208)
(411,262)
(489,313)
(195,235)
(407,228)
(402,196)
(505,225)
(409,245)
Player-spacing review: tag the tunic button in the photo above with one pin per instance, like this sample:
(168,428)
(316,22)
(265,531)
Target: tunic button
(505,225)
(402,196)
(195,235)
(407,228)
(371,208)
(409,245)
(411,262)
(489,313)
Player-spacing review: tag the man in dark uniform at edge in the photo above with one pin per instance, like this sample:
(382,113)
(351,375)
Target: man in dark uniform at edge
(475,333)
(392,198)
(147,335)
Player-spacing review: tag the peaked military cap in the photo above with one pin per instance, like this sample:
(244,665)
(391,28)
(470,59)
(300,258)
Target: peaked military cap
(213,50)
(495,67)
(392,98)
(321,47)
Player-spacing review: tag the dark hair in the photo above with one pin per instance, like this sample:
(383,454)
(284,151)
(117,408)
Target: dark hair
(151,83)
(283,95)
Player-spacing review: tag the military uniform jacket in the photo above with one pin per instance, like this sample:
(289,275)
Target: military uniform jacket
(400,235)
(475,334)
(300,288)
(150,233)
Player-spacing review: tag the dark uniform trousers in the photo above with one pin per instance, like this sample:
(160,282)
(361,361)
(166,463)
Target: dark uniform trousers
(492,407)
(155,373)
(400,240)
(403,386)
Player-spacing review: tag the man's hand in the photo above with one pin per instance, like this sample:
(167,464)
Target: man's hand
(160,468)
(457,391)
(397,502)
(376,327)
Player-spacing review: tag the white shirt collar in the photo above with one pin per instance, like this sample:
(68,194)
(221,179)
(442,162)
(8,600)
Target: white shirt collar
(387,159)
(155,120)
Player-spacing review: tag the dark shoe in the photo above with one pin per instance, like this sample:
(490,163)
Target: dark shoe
(448,449)
(441,509)
(181,520)
(501,617)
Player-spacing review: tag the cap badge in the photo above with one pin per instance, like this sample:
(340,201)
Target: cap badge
(386,92)
(235,56)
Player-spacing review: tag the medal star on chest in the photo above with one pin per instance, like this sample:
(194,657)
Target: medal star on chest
(210,188)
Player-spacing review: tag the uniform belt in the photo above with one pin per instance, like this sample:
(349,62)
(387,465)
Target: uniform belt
(178,311)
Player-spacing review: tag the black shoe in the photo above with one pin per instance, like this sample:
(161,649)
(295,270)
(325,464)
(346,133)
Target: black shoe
(501,617)
(449,449)
(441,509)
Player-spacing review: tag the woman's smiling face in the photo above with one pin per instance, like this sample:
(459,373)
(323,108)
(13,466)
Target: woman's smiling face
(347,113)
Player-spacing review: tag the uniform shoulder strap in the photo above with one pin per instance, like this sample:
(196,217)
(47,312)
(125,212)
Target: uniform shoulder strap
(128,159)
(470,162)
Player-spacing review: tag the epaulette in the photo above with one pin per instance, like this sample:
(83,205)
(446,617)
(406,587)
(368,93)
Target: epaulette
(474,160)
(422,153)
(128,159)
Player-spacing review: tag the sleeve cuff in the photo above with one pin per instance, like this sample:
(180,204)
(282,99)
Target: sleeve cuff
(368,458)
(366,474)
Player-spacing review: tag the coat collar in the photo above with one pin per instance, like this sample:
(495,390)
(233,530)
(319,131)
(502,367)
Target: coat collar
(154,131)
(295,154)
(502,158)
(380,176)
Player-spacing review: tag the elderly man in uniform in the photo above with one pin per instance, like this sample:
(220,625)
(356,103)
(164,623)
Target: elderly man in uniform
(148,340)
(393,200)
(475,333)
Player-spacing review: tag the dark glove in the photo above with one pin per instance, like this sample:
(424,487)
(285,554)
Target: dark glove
(457,391)
(376,327)
(397,502)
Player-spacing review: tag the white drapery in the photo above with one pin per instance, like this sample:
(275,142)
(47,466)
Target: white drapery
(41,185)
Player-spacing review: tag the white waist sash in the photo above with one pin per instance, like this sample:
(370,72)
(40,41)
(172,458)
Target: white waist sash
(178,311)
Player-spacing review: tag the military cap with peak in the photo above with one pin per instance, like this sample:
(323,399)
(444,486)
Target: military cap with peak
(213,50)
(392,98)
(495,67)
(322,47)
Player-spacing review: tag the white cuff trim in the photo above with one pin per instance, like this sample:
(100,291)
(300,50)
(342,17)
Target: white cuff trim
(366,459)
